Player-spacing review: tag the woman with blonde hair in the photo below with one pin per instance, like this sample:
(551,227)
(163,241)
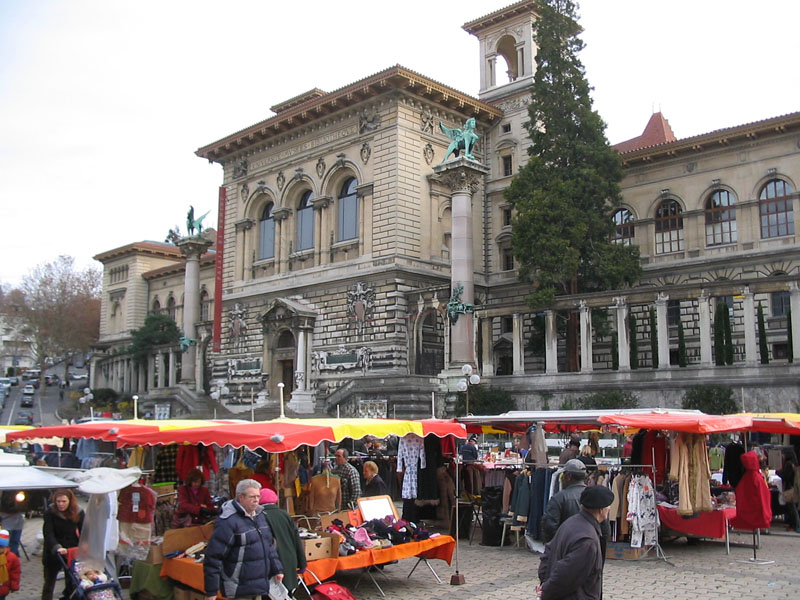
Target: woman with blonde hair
(61,530)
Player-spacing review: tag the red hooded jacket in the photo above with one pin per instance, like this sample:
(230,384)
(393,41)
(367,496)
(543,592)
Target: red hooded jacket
(753,506)
(12,563)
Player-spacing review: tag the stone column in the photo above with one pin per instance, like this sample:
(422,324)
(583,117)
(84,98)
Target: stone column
(320,229)
(300,361)
(192,248)
(622,334)
(519,350)
(662,329)
(141,382)
(586,338)
(151,372)
(162,370)
(173,375)
(487,354)
(794,303)
(750,346)
(704,322)
(281,246)
(463,177)
(243,257)
(302,399)
(550,343)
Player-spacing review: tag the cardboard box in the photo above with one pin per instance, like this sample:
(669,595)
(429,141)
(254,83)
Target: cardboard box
(177,540)
(325,547)
(348,517)
(623,551)
(180,592)
(155,556)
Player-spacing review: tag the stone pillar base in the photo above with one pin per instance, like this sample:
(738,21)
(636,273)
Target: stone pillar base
(302,402)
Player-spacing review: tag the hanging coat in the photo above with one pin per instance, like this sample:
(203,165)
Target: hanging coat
(753,508)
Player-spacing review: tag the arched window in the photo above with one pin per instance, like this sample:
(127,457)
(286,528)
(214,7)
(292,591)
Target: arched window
(305,222)
(171,307)
(775,209)
(266,233)
(205,302)
(156,307)
(720,219)
(669,227)
(286,339)
(348,211)
(623,219)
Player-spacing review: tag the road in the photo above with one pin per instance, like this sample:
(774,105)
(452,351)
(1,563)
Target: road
(45,403)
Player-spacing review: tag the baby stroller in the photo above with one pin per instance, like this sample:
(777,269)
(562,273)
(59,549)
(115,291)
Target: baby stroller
(97,586)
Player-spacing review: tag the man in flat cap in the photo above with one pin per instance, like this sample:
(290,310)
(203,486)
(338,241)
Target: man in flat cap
(571,567)
(566,502)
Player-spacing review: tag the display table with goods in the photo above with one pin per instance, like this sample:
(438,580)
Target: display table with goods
(190,572)
(712,524)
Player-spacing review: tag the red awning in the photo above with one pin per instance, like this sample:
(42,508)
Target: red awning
(688,423)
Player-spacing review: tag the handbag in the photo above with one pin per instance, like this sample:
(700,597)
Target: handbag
(789,495)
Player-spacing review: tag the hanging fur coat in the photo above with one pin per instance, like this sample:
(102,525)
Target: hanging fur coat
(690,468)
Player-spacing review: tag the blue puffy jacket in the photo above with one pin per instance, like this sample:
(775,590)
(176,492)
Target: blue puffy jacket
(240,556)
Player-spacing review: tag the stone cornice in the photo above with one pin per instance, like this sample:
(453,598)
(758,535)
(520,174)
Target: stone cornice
(318,107)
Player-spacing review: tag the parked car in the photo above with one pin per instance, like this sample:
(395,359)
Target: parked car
(14,380)
(28,390)
(5,383)
(26,401)
(52,379)
(24,417)
(77,376)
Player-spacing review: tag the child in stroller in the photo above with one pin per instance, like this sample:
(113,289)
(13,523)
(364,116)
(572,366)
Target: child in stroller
(89,583)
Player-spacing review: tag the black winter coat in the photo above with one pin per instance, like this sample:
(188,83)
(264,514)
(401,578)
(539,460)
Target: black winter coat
(571,567)
(240,556)
(561,507)
(59,533)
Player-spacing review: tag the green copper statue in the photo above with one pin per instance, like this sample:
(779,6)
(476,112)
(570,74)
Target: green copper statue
(462,140)
(192,223)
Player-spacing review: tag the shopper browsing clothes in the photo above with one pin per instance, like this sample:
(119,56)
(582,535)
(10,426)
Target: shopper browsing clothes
(374,484)
(9,567)
(240,556)
(195,506)
(62,529)
(572,563)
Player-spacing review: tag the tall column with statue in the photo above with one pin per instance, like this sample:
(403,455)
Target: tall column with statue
(193,247)
(463,174)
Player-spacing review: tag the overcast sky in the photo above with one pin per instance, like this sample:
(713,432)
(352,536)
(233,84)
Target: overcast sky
(103,102)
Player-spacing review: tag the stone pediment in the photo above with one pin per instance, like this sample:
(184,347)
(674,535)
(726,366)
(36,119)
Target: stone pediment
(283,312)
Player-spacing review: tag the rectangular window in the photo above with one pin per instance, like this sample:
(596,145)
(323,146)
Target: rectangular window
(506,325)
(673,312)
(305,229)
(669,241)
(348,217)
(508,167)
(506,217)
(508,259)
(266,238)
(506,127)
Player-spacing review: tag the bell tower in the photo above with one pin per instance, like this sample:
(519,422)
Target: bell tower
(506,50)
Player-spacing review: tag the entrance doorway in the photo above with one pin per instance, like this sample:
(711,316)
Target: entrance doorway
(287,375)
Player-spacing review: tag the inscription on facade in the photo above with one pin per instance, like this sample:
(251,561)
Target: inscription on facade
(307,145)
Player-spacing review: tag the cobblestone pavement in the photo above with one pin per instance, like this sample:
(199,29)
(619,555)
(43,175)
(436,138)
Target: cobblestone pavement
(703,570)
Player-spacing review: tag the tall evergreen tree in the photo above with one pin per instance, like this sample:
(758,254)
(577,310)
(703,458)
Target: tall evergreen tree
(682,362)
(726,320)
(566,194)
(614,351)
(763,349)
(653,338)
(634,336)
(789,340)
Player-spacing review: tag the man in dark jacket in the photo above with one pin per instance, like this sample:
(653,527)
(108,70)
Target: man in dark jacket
(571,567)
(241,556)
(570,452)
(565,503)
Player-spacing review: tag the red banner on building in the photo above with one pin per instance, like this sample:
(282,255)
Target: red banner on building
(216,337)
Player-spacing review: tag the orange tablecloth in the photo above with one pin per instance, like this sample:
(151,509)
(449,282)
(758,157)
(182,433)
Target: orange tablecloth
(189,572)
(712,524)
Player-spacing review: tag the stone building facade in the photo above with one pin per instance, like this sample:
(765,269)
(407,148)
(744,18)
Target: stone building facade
(335,252)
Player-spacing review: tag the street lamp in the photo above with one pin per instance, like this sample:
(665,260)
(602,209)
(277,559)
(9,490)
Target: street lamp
(135,399)
(470,378)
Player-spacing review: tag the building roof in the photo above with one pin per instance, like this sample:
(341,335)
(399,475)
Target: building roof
(161,249)
(714,139)
(209,258)
(477,25)
(656,132)
(317,107)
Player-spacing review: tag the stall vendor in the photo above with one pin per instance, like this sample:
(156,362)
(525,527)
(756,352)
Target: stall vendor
(195,506)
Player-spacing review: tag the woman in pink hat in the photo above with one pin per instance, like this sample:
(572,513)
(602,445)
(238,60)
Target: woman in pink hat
(290,548)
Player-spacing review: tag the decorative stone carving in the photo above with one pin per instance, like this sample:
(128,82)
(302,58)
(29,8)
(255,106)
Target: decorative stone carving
(281,180)
(427,152)
(299,380)
(368,121)
(320,167)
(245,192)
(365,152)
(462,180)
(360,305)
(237,334)
(426,121)
(240,169)
(514,104)
(342,359)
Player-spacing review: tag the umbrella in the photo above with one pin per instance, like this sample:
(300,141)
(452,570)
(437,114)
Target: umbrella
(284,435)
(6,429)
(688,423)
(110,430)
(774,422)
